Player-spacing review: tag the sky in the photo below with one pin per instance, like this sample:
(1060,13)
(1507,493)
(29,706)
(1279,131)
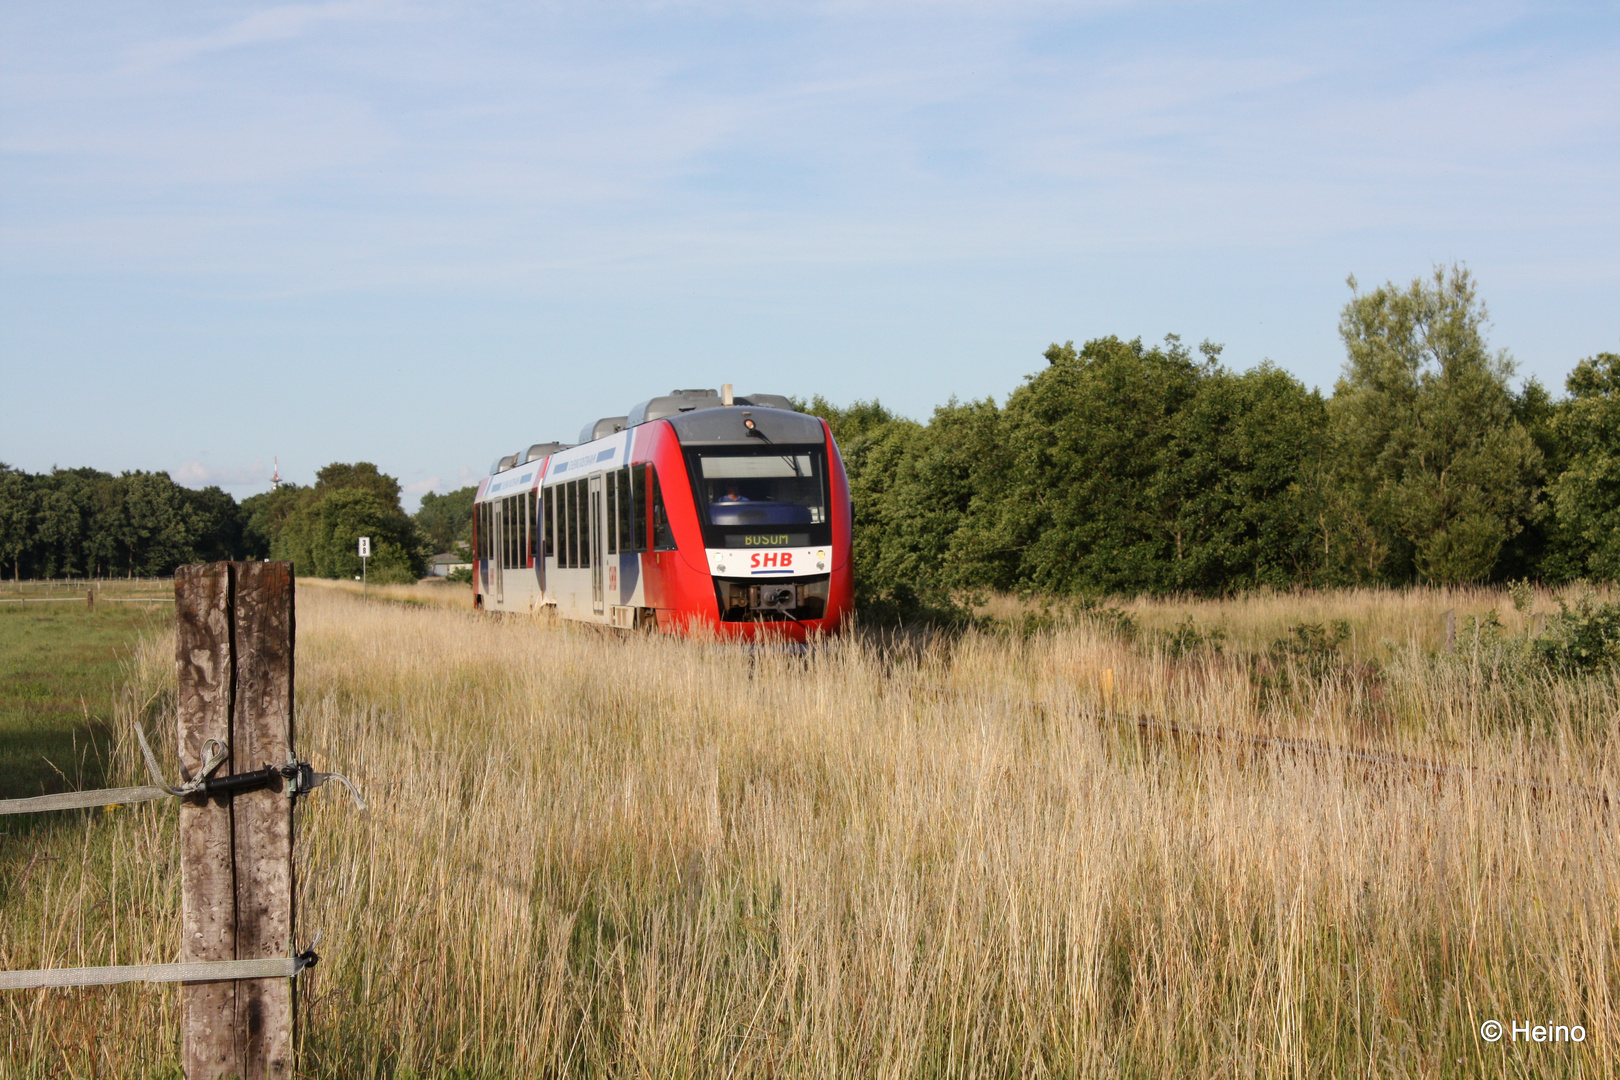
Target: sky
(428,235)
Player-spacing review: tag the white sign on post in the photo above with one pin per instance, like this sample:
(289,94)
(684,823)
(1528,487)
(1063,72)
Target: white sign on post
(365,547)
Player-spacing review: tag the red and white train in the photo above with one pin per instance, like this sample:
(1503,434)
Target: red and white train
(696,512)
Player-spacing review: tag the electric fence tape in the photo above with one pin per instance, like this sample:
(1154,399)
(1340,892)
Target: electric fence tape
(300,779)
(197,971)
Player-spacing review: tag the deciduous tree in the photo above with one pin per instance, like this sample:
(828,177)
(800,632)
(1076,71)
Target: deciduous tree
(1433,472)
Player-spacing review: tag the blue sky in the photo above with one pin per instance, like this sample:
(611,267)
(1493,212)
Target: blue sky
(427,235)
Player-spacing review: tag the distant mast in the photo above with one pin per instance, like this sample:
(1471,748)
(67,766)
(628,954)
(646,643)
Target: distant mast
(275,476)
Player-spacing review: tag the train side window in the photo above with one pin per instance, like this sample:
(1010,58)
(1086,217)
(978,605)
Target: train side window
(548,532)
(561,495)
(584,522)
(662,538)
(638,507)
(506,532)
(621,514)
(569,536)
(513,521)
(567,527)
(613,514)
(530,532)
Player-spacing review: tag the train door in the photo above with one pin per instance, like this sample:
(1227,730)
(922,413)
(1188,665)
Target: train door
(498,546)
(598,549)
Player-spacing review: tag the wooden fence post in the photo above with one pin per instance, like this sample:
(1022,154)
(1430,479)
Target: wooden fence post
(1451,630)
(234,658)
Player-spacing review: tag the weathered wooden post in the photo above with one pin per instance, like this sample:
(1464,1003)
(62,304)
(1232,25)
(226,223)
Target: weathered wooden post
(90,599)
(1451,630)
(234,658)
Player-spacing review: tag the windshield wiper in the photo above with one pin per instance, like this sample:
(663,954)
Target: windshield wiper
(753,431)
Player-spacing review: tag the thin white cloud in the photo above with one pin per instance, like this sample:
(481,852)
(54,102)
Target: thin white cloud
(422,487)
(197,474)
(283,23)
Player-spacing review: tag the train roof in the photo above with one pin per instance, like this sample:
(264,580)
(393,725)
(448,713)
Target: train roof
(722,426)
(683,401)
(698,416)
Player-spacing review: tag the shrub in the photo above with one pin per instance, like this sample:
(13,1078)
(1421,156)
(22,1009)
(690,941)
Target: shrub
(1583,638)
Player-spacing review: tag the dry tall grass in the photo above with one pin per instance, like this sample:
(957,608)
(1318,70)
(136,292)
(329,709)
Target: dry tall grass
(428,592)
(1383,622)
(601,855)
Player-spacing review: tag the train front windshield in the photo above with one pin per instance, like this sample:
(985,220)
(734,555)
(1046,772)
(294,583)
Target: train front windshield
(772,497)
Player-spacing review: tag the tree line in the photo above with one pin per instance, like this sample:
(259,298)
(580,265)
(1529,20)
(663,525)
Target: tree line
(87,523)
(1127,468)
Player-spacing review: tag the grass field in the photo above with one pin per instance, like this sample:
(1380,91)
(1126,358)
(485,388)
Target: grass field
(594,855)
(61,664)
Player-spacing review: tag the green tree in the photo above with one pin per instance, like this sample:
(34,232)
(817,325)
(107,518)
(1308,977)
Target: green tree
(63,524)
(1536,551)
(362,475)
(318,528)
(445,521)
(153,525)
(953,479)
(1585,491)
(1237,471)
(216,524)
(1145,469)
(1087,437)
(1432,472)
(16,517)
(266,514)
(913,489)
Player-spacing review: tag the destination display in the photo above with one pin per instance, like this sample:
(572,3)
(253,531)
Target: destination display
(768,540)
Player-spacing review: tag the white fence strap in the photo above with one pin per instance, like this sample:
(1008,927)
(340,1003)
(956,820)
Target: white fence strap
(78,800)
(102,600)
(199,971)
(302,781)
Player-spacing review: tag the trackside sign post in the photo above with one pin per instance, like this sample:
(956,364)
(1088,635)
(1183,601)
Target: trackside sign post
(365,553)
